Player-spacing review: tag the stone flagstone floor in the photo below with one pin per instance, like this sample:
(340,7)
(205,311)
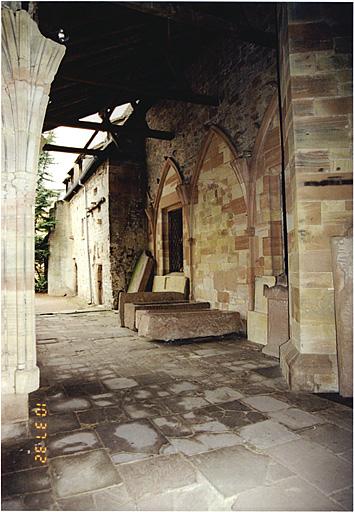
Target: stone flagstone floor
(135,424)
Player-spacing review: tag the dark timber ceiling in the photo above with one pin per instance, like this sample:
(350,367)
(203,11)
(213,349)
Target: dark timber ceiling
(120,52)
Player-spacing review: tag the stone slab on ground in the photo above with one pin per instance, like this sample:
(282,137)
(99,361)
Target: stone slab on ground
(315,463)
(232,470)
(267,433)
(292,493)
(141,297)
(133,312)
(157,475)
(82,473)
(189,324)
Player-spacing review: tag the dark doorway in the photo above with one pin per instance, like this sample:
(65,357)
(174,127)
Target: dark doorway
(175,240)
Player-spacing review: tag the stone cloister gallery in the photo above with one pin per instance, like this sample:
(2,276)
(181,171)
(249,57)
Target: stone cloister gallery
(229,176)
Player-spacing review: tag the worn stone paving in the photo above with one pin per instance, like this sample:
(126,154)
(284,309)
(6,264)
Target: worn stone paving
(134,424)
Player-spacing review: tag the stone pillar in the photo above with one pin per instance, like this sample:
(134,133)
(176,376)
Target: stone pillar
(316,93)
(29,63)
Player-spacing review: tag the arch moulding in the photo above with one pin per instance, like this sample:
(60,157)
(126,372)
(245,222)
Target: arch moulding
(153,216)
(238,165)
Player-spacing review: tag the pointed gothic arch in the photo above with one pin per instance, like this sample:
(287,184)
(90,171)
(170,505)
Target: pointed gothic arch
(219,249)
(167,199)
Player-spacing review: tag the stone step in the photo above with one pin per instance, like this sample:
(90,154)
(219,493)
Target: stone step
(146,297)
(133,312)
(175,325)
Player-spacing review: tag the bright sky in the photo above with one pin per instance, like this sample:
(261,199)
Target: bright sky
(75,137)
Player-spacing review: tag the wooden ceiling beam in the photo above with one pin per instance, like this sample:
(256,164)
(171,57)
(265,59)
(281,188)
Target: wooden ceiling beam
(88,125)
(66,149)
(182,13)
(168,94)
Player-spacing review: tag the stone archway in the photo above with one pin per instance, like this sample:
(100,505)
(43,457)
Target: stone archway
(168,199)
(219,226)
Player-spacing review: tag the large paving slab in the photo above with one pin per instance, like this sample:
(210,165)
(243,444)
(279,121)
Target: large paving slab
(232,470)
(267,433)
(292,493)
(314,463)
(178,325)
(82,473)
(157,475)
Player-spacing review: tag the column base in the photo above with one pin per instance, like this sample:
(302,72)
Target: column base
(316,373)
(14,416)
(26,381)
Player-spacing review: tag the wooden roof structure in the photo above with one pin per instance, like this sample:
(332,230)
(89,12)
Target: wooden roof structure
(135,52)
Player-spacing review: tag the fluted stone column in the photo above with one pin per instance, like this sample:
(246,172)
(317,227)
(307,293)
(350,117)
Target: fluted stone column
(29,64)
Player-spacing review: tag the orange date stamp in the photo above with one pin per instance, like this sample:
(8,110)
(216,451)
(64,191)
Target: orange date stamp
(40,448)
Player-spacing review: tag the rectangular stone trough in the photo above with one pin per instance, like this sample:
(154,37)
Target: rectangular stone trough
(175,325)
(133,312)
(146,297)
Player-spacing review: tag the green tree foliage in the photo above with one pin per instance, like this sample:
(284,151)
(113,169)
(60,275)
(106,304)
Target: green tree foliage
(44,220)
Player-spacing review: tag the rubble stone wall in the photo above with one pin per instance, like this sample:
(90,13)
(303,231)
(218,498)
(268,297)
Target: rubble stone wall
(127,221)
(244,77)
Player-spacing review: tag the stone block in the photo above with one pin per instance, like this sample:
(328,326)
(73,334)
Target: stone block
(316,373)
(141,297)
(130,310)
(189,324)
(141,274)
(278,319)
(260,299)
(342,264)
(135,314)
(257,327)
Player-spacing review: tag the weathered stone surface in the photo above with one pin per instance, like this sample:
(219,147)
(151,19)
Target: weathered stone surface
(265,403)
(133,312)
(309,372)
(316,139)
(267,433)
(187,375)
(232,470)
(188,324)
(82,473)
(342,265)
(295,418)
(313,462)
(141,297)
(157,475)
(330,436)
(22,482)
(278,319)
(141,274)
(135,436)
(288,494)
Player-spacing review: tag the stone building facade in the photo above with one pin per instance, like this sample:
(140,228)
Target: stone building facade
(99,229)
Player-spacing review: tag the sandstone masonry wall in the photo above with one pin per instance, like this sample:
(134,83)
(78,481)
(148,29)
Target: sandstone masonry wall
(316,87)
